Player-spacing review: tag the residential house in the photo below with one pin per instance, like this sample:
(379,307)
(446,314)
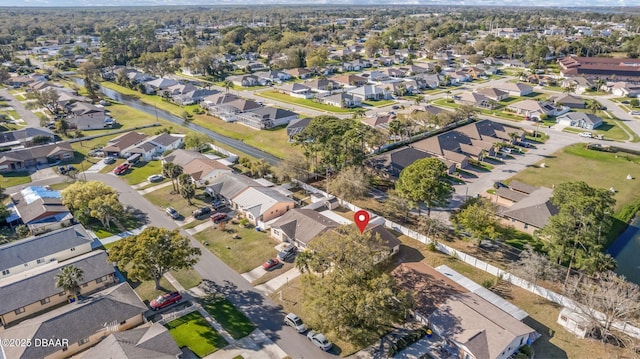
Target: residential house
(228,106)
(474,72)
(490,131)
(515,89)
(378,121)
(24,137)
(248,65)
(625,89)
(531,211)
(39,208)
(533,108)
(428,81)
(85,116)
(457,77)
(56,246)
(247,80)
(394,72)
(323,86)
(229,185)
(273,76)
(378,76)
(300,225)
(579,84)
(387,238)
(568,100)
(260,205)
(178,89)
(79,326)
(350,80)
(24,158)
(422,68)
(202,169)
(297,126)
(446,147)
(493,93)
(390,164)
(151,340)
(475,99)
(370,92)
(342,100)
(515,64)
(296,90)
(400,87)
(154,147)
(159,85)
(191,97)
(584,120)
(116,147)
(626,69)
(300,73)
(266,117)
(34,291)
(470,325)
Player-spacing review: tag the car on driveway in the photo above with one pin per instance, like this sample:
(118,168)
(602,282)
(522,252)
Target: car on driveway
(121,169)
(288,253)
(270,264)
(155,178)
(172,212)
(201,212)
(295,322)
(109,160)
(218,217)
(165,300)
(319,340)
(585,134)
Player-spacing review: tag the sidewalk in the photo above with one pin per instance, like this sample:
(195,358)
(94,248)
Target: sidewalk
(277,282)
(199,228)
(117,237)
(151,189)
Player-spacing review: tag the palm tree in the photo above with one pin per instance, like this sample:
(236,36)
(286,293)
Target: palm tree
(69,280)
(594,106)
(358,113)
(228,84)
(172,170)
(418,99)
(303,261)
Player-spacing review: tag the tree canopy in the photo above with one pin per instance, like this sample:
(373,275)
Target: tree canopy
(345,288)
(69,280)
(92,199)
(425,181)
(154,252)
(477,216)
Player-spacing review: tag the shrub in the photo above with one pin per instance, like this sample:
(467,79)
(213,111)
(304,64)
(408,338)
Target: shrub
(432,246)
(487,283)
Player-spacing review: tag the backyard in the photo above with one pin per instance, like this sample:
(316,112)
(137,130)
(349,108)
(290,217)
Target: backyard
(193,331)
(277,96)
(244,254)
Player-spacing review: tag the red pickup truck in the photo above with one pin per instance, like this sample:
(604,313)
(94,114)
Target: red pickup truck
(121,169)
(165,300)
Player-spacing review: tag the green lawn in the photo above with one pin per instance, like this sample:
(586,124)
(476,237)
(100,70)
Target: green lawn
(234,322)
(244,254)
(153,100)
(147,291)
(609,129)
(275,95)
(14,179)
(576,163)
(379,103)
(188,278)
(140,171)
(14,115)
(193,331)
(164,198)
(274,141)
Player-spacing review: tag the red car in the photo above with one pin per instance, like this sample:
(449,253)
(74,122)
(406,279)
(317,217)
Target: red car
(121,169)
(165,300)
(218,217)
(270,264)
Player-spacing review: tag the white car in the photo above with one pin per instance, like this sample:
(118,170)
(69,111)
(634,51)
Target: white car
(295,321)
(155,178)
(634,113)
(585,134)
(319,340)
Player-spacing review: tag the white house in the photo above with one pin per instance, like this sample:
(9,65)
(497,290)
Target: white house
(584,120)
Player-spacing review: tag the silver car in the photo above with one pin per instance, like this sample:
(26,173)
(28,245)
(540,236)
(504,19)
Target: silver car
(319,340)
(295,322)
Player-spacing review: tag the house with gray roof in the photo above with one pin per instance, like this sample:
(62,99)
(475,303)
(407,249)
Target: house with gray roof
(39,208)
(569,100)
(24,158)
(151,340)
(301,225)
(342,100)
(193,96)
(260,204)
(515,89)
(266,117)
(34,291)
(587,121)
(370,92)
(531,211)
(57,246)
(116,146)
(390,164)
(475,99)
(296,126)
(24,137)
(230,185)
(78,326)
(154,146)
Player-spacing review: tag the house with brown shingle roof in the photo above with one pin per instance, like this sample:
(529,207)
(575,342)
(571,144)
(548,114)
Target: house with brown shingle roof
(515,89)
(24,158)
(115,147)
(350,80)
(475,99)
(531,211)
(446,146)
(301,225)
(493,93)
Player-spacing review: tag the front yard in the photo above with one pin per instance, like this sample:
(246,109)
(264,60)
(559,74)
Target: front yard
(163,198)
(193,331)
(234,322)
(14,179)
(609,129)
(244,254)
(141,170)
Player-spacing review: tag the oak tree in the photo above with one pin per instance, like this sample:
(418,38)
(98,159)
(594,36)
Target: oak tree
(425,181)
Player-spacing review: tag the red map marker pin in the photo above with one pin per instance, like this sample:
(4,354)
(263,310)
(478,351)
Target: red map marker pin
(362,219)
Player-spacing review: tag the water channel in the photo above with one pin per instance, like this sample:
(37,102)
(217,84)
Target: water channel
(159,113)
(626,251)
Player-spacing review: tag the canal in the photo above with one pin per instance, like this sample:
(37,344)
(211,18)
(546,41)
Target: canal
(159,113)
(626,251)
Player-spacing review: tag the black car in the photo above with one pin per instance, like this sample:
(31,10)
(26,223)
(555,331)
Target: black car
(288,253)
(201,212)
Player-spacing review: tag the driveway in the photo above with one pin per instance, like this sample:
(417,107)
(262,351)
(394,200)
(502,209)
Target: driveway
(27,116)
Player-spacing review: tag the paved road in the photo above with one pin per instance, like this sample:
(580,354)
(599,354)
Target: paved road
(261,310)
(29,117)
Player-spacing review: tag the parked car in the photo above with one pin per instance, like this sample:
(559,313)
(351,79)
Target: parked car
(121,169)
(172,212)
(295,322)
(585,134)
(288,253)
(634,113)
(165,300)
(500,184)
(319,340)
(395,107)
(155,178)
(218,217)
(270,264)
(201,212)
(109,160)
(62,170)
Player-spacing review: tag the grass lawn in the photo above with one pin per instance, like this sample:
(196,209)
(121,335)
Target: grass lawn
(193,331)
(232,320)
(189,278)
(609,129)
(147,291)
(142,170)
(14,179)
(164,198)
(554,88)
(576,163)
(244,254)
(274,141)
(379,103)
(153,100)
(275,95)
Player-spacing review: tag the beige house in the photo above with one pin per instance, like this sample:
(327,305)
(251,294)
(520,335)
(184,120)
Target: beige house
(35,291)
(76,327)
(146,341)
(261,204)
(57,246)
(300,225)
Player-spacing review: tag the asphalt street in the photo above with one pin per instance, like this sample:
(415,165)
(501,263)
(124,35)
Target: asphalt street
(27,116)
